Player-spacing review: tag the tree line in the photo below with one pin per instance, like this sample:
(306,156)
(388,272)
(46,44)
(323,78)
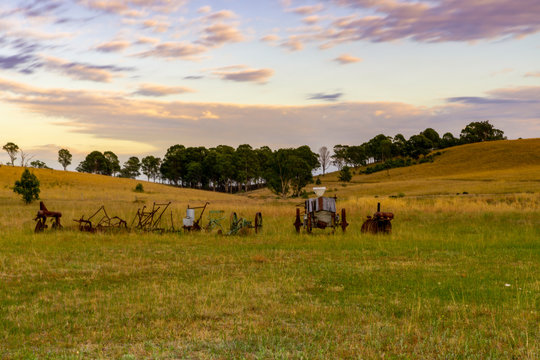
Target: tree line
(382,148)
(284,171)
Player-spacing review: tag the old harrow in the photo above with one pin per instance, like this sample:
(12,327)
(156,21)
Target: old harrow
(101,221)
(241,226)
(150,219)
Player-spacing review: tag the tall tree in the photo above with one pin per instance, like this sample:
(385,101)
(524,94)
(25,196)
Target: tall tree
(324,158)
(64,158)
(172,166)
(131,168)
(433,136)
(12,151)
(150,166)
(113,163)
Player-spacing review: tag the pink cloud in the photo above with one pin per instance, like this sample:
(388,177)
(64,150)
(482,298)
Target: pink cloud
(308,9)
(219,34)
(174,50)
(347,59)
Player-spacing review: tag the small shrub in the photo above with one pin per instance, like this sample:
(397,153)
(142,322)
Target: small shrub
(318,181)
(27,186)
(345,174)
(139,188)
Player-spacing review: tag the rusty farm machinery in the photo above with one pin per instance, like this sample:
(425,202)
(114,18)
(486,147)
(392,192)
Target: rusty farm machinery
(320,213)
(379,223)
(41,218)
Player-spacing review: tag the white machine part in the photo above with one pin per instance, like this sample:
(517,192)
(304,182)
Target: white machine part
(319,191)
(190,217)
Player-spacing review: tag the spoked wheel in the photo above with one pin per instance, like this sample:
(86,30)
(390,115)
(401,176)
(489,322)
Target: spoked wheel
(344,222)
(297,223)
(309,225)
(258,222)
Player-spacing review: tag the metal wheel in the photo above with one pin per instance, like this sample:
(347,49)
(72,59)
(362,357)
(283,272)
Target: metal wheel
(309,225)
(40,225)
(258,221)
(297,223)
(344,222)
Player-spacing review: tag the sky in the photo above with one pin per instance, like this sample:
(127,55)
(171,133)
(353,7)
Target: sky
(137,76)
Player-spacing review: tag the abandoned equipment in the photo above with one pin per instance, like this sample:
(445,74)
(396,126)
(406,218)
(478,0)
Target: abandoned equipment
(41,218)
(320,213)
(380,222)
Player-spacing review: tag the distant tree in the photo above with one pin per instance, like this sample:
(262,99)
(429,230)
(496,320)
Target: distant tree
(95,163)
(433,136)
(399,145)
(64,158)
(418,145)
(131,168)
(356,155)
(339,159)
(27,186)
(39,164)
(246,165)
(172,167)
(150,166)
(324,158)
(480,131)
(345,174)
(448,140)
(25,158)
(113,164)
(12,151)
(291,170)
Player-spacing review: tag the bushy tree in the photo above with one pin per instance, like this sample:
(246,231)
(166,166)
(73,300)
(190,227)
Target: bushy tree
(113,164)
(38,164)
(27,186)
(345,174)
(131,168)
(95,163)
(480,131)
(64,158)
(12,150)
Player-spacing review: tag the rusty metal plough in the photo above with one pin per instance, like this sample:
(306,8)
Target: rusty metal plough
(41,218)
(101,221)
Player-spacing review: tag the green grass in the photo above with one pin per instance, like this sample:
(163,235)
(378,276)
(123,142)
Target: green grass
(436,288)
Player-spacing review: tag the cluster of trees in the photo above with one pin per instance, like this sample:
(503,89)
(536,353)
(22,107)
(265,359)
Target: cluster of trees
(382,148)
(222,168)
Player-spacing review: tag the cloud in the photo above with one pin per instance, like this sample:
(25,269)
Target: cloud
(347,59)
(310,20)
(325,97)
(532,74)
(204,10)
(24,63)
(82,71)
(220,15)
(113,46)
(193,77)
(133,7)
(160,90)
(293,43)
(440,21)
(161,123)
(158,26)
(271,38)
(219,34)
(175,50)
(308,9)
(246,75)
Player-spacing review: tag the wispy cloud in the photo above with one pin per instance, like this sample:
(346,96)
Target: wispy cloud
(308,9)
(82,71)
(113,46)
(245,75)
(326,97)
(175,50)
(160,90)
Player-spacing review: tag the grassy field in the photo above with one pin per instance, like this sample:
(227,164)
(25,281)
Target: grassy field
(459,278)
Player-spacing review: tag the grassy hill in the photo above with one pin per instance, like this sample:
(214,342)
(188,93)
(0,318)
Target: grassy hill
(509,166)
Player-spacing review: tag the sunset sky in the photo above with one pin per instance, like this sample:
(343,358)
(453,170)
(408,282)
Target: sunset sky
(137,76)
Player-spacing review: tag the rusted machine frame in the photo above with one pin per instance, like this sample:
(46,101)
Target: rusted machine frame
(148,221)
(41,218)
(310,220)
(105,222)
(380,222)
